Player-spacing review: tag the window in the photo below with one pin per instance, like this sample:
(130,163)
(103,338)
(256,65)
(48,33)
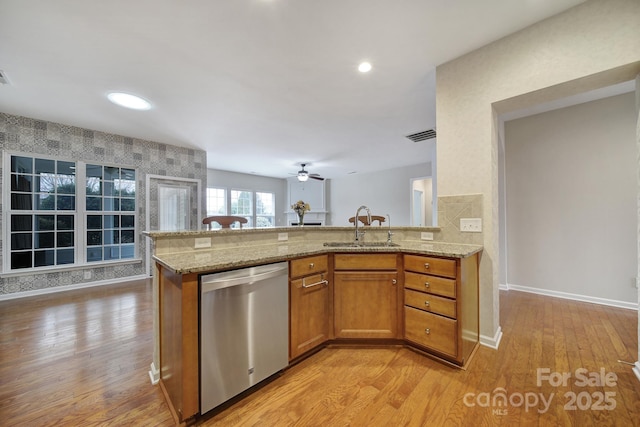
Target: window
(265,210)
(241,203)
(216,201)
(46,207)
(110,205)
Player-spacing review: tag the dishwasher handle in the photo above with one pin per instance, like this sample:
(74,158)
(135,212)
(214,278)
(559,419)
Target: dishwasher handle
(219,281)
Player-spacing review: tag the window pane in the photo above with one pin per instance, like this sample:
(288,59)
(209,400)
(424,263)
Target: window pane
(109,189)
(94,254)
(111,173)
(94,238)
(94,171)
(65,240)
(21,202)
(111,252)
(21,164)
(128,221)
(66,168)
(21,241)
(111,237)
(265,204)
(111,221)
(44,240)
(94,186)
(94,222)
(21,223)
(44,258)
(126,236)
(45,222)
(45,166)
(45,183)
(66,184)
(127,251)
(128,205)
(66,203)
(94,204)
(65,222)
(21,182)
(66,256)
(45,202)
(20,260)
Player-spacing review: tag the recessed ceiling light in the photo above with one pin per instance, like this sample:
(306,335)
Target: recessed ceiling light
(129,101)
(364,67)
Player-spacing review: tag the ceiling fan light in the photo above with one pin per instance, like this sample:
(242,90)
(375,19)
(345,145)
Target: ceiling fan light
(303,176)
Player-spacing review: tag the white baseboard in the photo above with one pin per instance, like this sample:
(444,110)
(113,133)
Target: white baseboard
(570,296)
(55,289)
(154,374)
(503,287)
(492,342)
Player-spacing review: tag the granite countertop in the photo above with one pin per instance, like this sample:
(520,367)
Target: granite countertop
(226,258)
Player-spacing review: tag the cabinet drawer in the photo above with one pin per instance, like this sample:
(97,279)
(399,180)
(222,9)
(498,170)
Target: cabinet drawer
(431,303)
(309,265)
(365,262)
(431,330)
(430,265)
(432,284)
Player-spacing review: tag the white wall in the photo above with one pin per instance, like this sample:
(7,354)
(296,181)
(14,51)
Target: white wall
(241,181)
(571,200)
(384,192)
(592,45)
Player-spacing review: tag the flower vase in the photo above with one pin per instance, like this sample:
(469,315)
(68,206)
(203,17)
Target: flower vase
(300,219)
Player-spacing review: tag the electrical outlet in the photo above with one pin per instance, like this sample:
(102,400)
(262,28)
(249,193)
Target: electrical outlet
(426,235)
(471,225)
(282,237)
(202,242)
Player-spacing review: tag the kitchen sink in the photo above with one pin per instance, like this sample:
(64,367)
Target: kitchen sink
(360,245)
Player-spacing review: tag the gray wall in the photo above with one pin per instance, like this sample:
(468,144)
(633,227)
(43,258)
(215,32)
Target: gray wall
(384,192)
(571,200)
(37,137)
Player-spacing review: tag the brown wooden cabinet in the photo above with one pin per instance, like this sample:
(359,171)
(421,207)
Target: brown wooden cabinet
(309,304)
(366,296)
(441,305)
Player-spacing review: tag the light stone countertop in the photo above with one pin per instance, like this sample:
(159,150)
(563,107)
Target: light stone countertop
(246,255)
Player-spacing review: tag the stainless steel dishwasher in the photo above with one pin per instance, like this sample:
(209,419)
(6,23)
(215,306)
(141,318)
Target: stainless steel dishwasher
(244,330)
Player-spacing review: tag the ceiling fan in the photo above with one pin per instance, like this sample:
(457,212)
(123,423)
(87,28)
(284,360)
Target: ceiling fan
(304,175)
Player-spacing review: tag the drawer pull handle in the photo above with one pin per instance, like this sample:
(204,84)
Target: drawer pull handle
(311,265)
(427,331)
(426,284)
(426,303)
(426,265)
(311,285)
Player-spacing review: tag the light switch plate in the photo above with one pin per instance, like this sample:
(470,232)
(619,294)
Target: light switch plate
(203,242)
(471,225)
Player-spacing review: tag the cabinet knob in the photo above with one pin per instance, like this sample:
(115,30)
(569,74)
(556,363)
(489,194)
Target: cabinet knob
(426,265)
(427,331)
(426,284)
(394,281)
(311,265)
(426,303)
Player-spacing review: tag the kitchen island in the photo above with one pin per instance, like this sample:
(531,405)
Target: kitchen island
(423,294)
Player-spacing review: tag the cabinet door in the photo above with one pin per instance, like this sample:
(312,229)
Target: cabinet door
(310,313)
(366,304)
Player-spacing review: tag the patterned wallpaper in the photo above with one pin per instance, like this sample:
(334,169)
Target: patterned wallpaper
(32,136)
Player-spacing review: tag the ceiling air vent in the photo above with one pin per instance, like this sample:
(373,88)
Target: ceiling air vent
(422,136)
(3,78)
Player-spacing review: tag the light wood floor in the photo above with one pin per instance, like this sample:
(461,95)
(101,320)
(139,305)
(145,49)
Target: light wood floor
(81,358)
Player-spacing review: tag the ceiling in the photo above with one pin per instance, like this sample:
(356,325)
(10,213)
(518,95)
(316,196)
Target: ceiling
(260,85)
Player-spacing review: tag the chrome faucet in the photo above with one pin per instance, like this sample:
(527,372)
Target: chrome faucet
(360,234)
(389,233)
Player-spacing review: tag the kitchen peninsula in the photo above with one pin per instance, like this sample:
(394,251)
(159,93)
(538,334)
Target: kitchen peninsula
(418,293)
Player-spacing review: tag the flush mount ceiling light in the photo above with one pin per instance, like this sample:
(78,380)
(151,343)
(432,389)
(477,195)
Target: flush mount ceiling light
(364,67)
(129,101)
